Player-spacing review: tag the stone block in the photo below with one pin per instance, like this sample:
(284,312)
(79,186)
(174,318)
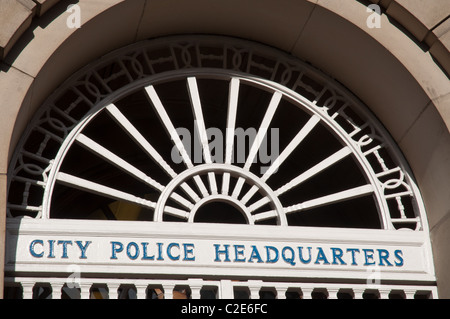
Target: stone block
(276,23)
(13,88)
(51,57)
(44,5)
(351,53)
(16,18)
(440,237)
(3,192)
(427,149)
(440,49)
(419,16)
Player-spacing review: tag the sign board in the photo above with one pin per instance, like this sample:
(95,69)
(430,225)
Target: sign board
(149,248)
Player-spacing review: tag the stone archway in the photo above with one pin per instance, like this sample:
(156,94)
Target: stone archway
(417,121)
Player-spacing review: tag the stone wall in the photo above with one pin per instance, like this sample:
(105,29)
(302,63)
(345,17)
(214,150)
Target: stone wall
(400,71)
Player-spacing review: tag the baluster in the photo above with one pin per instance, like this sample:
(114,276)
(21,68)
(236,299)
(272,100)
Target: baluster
(432,294)
(85,290)
(307,293)
(409,294)
(27,290)
(113,290)
(384,293)
(254,292)
(57,290)
(141,291)
(226,290)
(358,293)
(168,291)
(281,293)
(254,286)
(195,285)
(332,293)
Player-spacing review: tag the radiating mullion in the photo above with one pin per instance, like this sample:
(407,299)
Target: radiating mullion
(117,161)
(265,215)
(301,135)
(201,128)
(139,139)
(170,128)
(225,183)
(188,189)
(262,131)
(201,186)
(161,111)
(127,167)
(238,187)
(176,212)
(331,199)
(320,201)
(252,191)
(147,147)
(260,203)
(336,157)
(233,98)
(102,190)
(113,193)
(273,106)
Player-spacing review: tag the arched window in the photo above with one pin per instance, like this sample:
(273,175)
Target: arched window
(257,155)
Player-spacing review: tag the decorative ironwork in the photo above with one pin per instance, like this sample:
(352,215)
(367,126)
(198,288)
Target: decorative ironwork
(36,165)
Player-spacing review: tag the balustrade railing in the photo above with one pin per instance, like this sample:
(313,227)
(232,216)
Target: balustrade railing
(88,288)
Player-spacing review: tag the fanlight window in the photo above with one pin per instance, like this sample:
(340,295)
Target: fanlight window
(200,133)
(189,136)
(128,153)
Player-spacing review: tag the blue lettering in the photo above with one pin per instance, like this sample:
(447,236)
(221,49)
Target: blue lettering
(353,251)
(337,255)
(189,252)
(301,255)
(136,250)
(321,257)
(51,253)
(33,246)
(160,245)
(289,259)
(144,252)
(399,255)
(64,243)
(384,255)
(221,252)
(169,251)
(239,251)
(83,248)
(368,253)
(117,247)
(255,254)
(271,260)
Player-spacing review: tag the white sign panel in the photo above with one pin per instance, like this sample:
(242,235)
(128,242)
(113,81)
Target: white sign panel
(215,250)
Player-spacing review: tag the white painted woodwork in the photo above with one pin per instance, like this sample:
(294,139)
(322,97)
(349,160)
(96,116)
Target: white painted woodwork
(384,183)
